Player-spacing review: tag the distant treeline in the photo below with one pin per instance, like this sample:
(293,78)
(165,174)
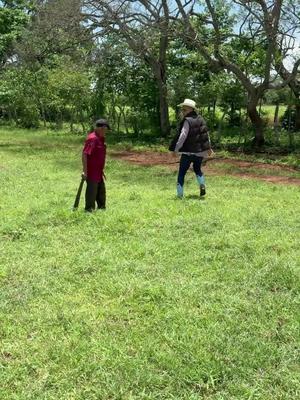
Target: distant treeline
(133,62)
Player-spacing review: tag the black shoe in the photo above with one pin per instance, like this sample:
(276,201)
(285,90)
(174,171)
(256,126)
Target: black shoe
(202,190)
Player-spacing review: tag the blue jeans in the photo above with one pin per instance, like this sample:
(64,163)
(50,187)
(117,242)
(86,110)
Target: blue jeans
(184,165)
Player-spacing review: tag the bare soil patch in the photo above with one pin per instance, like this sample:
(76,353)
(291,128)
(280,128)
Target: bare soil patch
(236,167)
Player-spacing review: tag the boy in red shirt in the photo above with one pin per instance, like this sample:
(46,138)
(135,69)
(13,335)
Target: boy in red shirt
(93,162)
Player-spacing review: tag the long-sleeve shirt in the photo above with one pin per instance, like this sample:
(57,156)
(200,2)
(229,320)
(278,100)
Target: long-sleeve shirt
(182,138)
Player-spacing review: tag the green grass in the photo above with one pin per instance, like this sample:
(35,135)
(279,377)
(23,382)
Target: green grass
(253,169)
(269,111)
(155,298)
(289,160)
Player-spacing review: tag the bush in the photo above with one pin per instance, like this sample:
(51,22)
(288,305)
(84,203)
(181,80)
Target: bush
(29,116)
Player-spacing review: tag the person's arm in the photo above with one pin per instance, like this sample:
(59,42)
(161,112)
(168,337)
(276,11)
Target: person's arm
(84,165)
(210,151)
(183,135)
(204,129)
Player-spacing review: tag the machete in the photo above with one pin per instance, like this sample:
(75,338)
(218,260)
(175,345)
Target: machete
(77,199)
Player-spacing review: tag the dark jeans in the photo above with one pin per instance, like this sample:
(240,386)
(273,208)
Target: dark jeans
(184,165)
(95,192)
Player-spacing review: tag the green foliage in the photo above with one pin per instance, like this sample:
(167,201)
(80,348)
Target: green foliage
(58,94)
(124,82)
(189,75)
(13,18)
(69,93)
(288,119)
(282,96)
(232,99)
(59,74)
(56,29)
(18,96)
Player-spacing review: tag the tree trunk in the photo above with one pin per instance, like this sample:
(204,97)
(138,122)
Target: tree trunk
(260,105)
(43,113)
(257,123)
(290,119)
(296,100)
(290,133)
(81,117)
(122,109)
(118,121)
(276,121)
(220,125)
(164,113)
(297,116)
(160,75)
(214,113)
(276,124)
(232,109)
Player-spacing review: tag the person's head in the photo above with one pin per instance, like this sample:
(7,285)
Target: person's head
(101,127)
(187,107)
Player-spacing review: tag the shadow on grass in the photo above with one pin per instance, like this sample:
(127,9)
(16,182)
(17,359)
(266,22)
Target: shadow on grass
(195,197)
(188,197)
(31,148)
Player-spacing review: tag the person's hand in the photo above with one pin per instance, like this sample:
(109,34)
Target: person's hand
(83,176)
(210,152)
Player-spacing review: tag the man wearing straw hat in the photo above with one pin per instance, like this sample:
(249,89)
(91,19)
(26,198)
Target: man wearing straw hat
(193,143)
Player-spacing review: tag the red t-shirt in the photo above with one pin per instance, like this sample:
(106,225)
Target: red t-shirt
(95,149)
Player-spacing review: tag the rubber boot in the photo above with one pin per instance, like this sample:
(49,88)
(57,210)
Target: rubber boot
(201,182)
(179,191)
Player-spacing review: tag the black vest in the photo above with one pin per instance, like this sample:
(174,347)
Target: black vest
(198,137)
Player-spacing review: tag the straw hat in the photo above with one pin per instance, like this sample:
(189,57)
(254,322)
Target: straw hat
(188,103)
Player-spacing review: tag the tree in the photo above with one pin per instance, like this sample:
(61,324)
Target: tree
(228,41)
(56,29)
(189,75)
(69,93)
(145,27)
(51,56)
(125,85)
(288,48)
(19,90)
(232,99)
(14,15)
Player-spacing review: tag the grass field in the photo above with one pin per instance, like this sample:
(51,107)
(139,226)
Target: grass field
(154,298)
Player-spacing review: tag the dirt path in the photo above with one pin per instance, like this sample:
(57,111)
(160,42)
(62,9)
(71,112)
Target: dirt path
(215,166)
